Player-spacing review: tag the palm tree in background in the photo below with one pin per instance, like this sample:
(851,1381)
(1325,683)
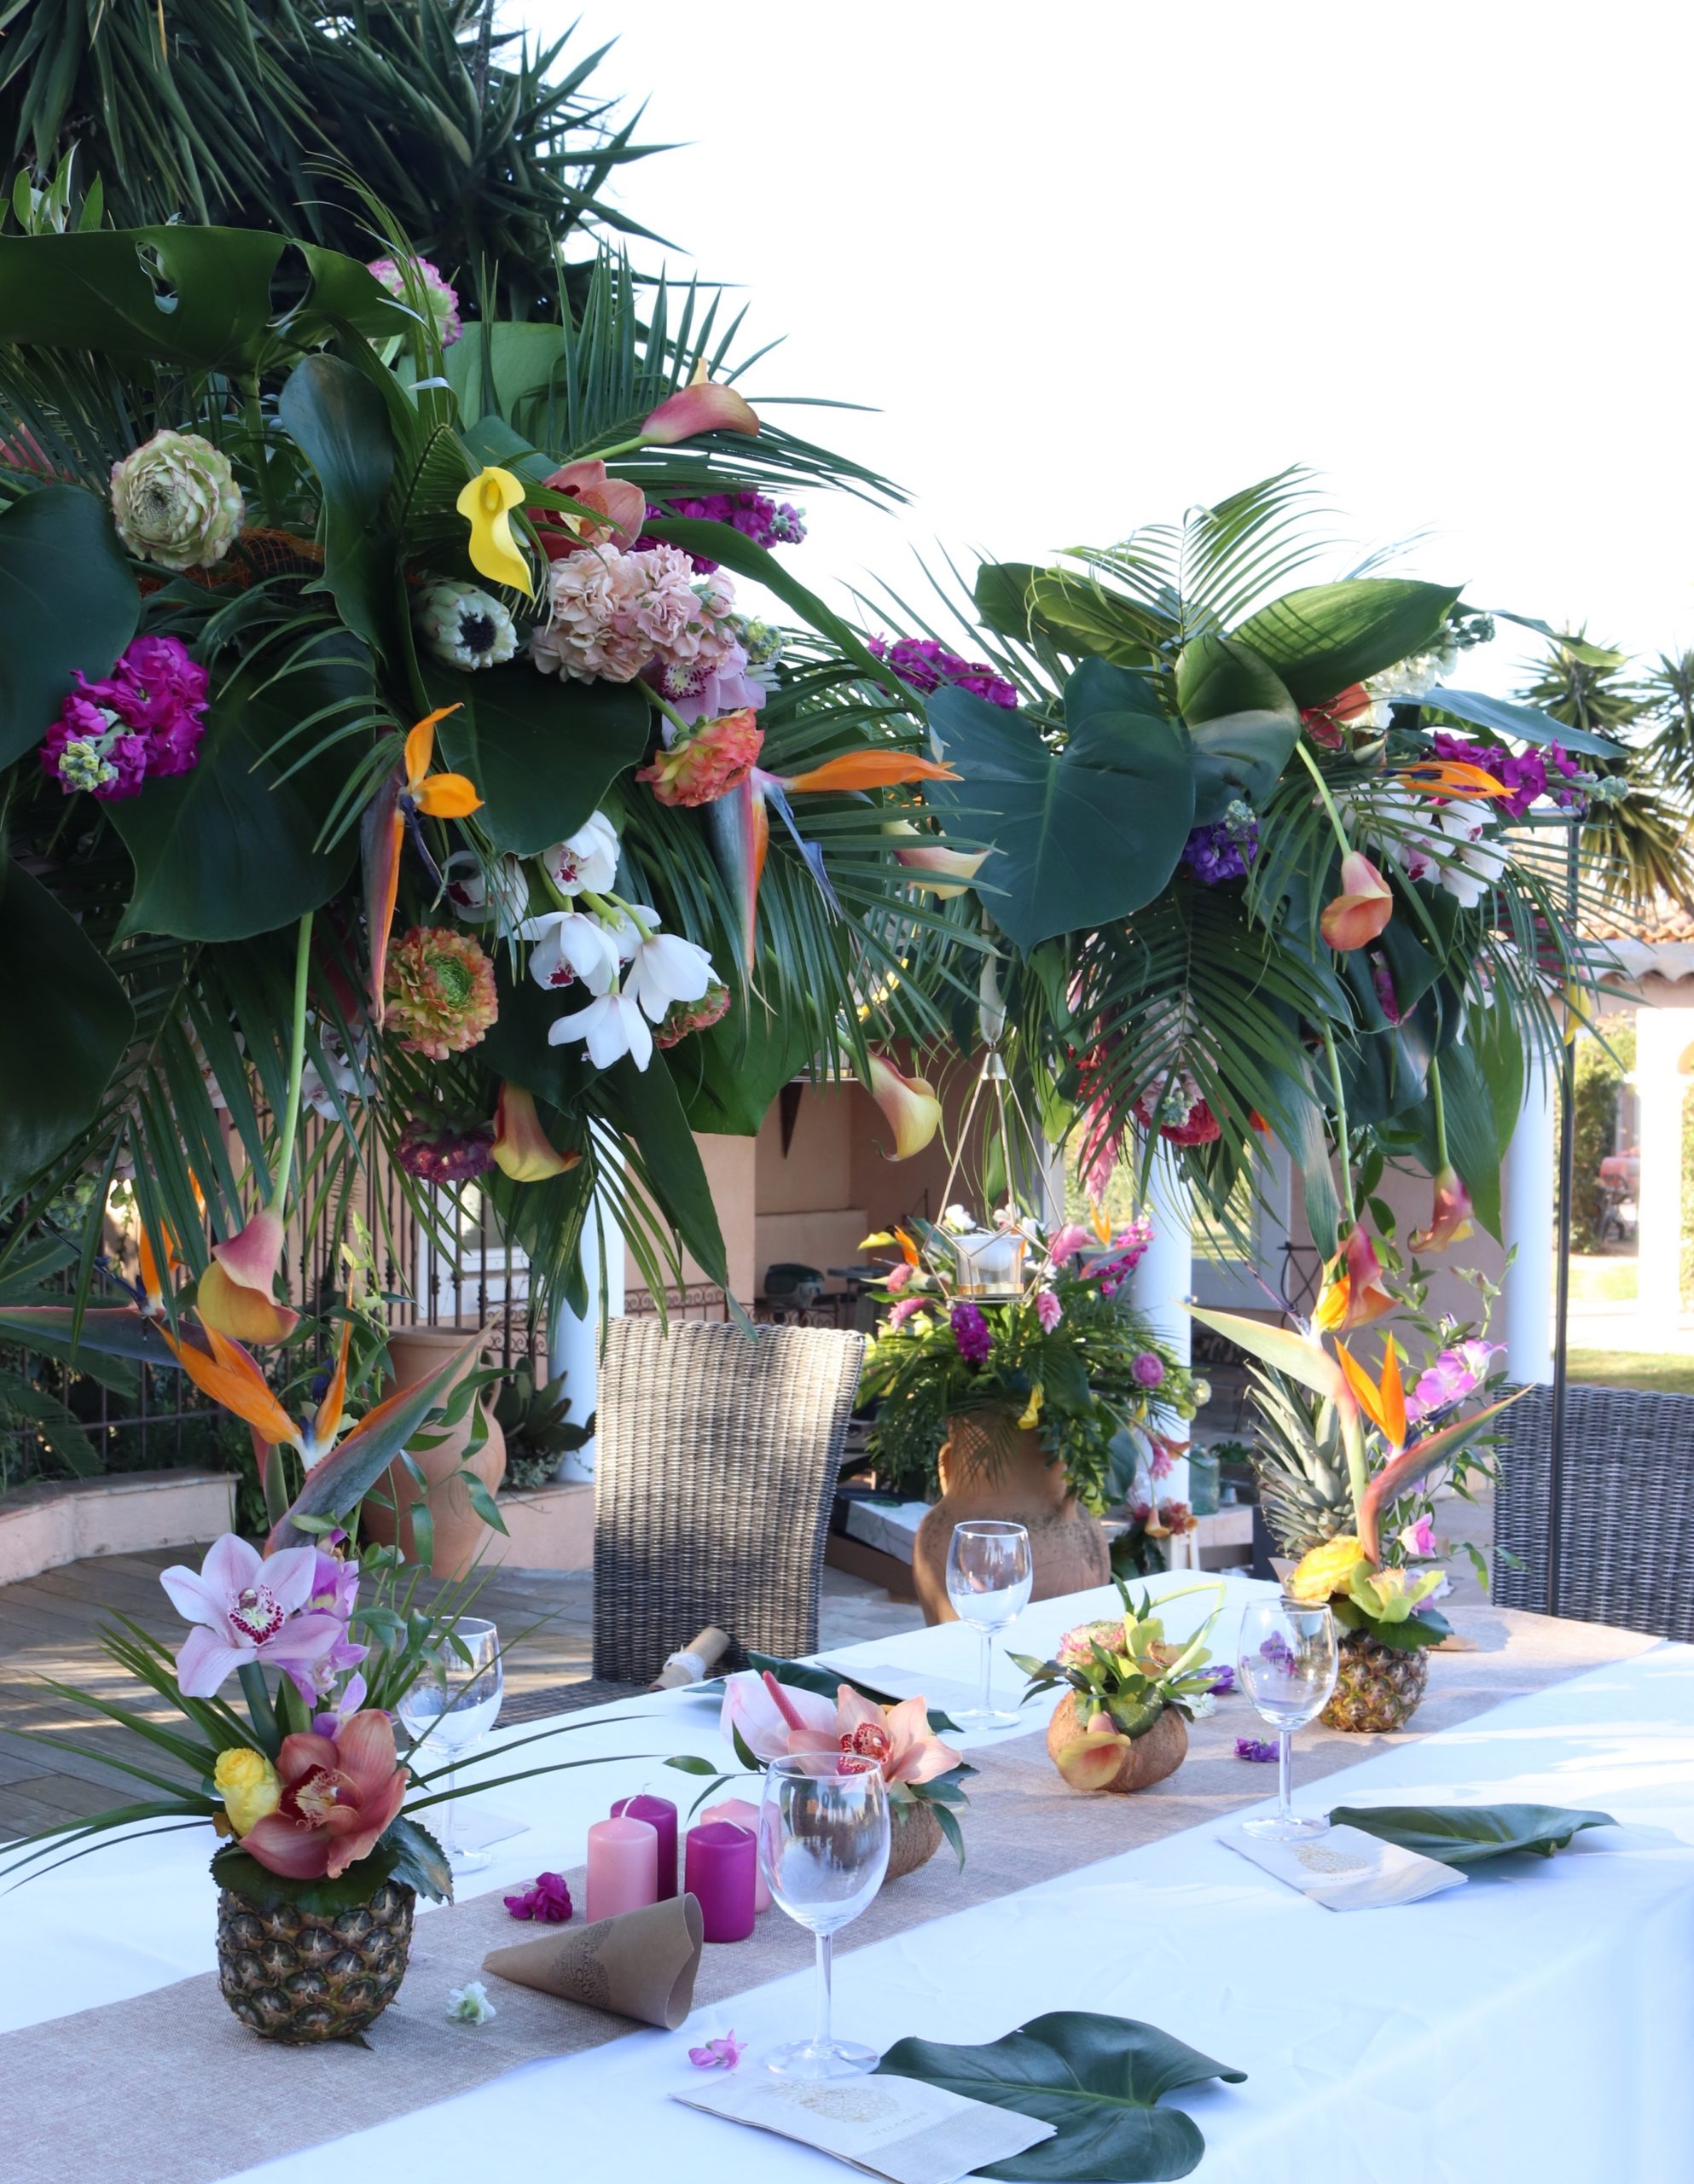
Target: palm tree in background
(241,111)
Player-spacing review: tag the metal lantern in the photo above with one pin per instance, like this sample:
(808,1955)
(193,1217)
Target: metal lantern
(990,1262)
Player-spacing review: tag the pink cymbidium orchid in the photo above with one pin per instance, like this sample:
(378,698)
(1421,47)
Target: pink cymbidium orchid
(339,1796)
(248,1610)
(771,1719)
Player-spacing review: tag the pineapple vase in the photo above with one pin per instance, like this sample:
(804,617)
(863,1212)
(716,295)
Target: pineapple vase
(301,1977)
(1377,1687)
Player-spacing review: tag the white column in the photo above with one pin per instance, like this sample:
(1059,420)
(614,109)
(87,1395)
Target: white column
(574,1349)
(1662,1037)
(1530,1177)
(1165,1277)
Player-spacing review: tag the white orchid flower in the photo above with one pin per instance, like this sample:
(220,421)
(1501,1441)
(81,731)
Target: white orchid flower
(586,861)
(570,946)
(610,1027)
(479,896)
(665,968)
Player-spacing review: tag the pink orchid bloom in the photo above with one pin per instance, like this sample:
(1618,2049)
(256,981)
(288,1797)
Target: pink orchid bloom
(246,1609)
(340,1794)
(899,1738)
(623,503)
(717,2054)
(1419,1539)
(699,407)
(773,1718)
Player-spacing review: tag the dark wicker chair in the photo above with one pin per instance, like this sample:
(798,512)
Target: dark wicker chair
(1628,1532)
(715,1477)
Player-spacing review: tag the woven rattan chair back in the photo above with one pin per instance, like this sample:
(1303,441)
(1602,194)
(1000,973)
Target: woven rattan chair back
(1627,1550)
(717,1459)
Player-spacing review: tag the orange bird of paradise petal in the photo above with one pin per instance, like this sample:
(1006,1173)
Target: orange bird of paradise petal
(1384,1402)
(1451,777)
(327,1420)
(868,770)
(410,788)
(231,1378)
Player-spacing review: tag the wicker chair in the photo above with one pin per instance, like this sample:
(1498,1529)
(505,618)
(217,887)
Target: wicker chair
(716,1475)
(1628,1532)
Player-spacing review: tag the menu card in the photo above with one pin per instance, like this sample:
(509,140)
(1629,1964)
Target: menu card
(1347,1870)
(893,2126)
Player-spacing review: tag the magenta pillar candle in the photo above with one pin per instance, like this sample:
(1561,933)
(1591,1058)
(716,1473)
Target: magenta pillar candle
(743,1815)
(720,1862)
(661,1815)
(622,1866)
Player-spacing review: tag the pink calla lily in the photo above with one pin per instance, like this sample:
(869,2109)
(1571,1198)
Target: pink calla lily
(700,407)
(235,1292)
(1451,1222)
(1362,909)
(1092,1760)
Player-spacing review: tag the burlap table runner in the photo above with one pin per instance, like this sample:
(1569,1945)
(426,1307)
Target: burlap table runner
(169,2089)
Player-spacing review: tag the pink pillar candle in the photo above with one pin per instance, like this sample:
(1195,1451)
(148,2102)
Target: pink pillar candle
(622,1866)
(747,1816)
(660,1813)
(719,1863)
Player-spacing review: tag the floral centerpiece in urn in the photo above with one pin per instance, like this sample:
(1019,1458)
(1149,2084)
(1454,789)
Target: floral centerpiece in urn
(1132,1692)
(1034,1395)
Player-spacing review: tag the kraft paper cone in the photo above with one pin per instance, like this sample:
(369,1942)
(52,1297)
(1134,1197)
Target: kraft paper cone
(641,1964)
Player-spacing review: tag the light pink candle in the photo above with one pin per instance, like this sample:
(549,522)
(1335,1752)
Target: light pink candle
(622,1866)
(743,1815)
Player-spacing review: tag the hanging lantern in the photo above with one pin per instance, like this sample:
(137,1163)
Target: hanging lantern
(990,1262)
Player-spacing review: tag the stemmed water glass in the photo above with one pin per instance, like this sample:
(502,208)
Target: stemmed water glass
(989,1576)
(823,1850)
(453,1706)
(1287,1664)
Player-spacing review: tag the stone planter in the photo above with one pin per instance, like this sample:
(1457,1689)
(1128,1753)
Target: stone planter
(459,1533)
(991,1467)
(1156,1753)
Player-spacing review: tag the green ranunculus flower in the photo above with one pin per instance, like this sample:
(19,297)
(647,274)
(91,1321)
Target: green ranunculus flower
(176,502)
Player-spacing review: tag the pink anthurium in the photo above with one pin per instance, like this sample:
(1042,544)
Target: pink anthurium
(773,1718)
(340,1794)
(909,1104)
(699,407)
(1364,906)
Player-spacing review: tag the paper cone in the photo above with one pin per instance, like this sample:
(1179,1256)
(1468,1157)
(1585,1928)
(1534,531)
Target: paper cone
(641,1964)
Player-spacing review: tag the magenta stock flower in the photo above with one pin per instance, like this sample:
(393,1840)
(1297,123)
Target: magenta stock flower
(246,1610)
(970,1332)
(722,2055)
(926,665)
(548,1900)
(1148,1369)
(143,721)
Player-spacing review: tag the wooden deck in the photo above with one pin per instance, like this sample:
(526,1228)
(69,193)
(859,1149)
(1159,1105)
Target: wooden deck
(48,1632)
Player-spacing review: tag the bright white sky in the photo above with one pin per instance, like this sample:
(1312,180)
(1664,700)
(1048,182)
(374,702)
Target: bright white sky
(1093,261)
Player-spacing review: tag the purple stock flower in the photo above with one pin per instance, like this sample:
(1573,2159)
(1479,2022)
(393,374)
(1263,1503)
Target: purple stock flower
(1148,1369)
(1220,852)
(766,522)
(970,1332)
(926,665)
(1254,1748)
(144,719)
(547,1899)
(1222,1678)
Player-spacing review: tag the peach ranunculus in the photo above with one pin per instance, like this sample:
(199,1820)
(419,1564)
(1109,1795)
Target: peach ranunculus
(1364,906)
(340,1794)
(708,762)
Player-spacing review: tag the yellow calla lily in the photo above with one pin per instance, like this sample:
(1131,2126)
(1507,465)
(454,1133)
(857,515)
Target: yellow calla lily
(486,505)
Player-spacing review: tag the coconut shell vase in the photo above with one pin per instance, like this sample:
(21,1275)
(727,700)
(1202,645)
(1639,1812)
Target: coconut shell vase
(1158,1751)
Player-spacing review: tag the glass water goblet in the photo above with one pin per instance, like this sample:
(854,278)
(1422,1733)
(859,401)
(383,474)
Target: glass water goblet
(1287,1666)
(823,1850)
(989,1576)
(452,1706)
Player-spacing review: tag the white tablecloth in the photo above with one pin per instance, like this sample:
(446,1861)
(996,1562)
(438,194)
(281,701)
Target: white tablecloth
(1532,2025)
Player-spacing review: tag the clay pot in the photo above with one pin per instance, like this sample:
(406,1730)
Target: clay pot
(915,1836)
(1156,1753)
(989,1467)
(459,1533)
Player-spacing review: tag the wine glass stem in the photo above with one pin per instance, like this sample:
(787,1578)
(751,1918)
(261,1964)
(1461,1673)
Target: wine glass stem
(1285,1745)
(450,1830)
(825,1944)
(988,1671)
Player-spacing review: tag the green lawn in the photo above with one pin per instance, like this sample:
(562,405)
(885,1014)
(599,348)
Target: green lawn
(1626,1369)
(1596,1279)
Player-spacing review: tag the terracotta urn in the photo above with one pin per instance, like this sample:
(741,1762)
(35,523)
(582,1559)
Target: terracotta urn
(460,1534)
(991,1467)
(915,1836)
(1156,1753)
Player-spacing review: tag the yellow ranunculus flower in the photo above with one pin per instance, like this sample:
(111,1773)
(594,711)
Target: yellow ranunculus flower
(1326,1570)
(247,1783)
(486,505)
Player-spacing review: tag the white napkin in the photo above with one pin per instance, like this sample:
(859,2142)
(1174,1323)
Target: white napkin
(1347,1870)
(478,1828)
(893,2126)
(943,1692)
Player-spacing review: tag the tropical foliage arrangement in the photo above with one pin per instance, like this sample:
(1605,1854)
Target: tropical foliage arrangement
(1122,1673)
(1262,866)
(1058,1350)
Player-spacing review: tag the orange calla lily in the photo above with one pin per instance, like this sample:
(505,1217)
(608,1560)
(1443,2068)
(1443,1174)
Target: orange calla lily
(1363,908)
(1352,1295)
(1093,1759)
(522,1148)
(1451,1222)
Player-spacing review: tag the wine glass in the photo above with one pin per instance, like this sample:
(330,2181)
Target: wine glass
(823,1850)
(1287,1664)
(454,1702)
(989,1576)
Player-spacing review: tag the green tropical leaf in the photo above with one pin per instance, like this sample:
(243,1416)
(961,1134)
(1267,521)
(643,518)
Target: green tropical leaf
(1001,592)
(727,1077)
(1528,724)
(508,735)
(1244,722)
(57,545)
(1326,636)
(1467,1835)
(1099,2079)
(1299,1356)
(420,1861)
(644,1106)
(70,1023)
(1081,837)
(337,419)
